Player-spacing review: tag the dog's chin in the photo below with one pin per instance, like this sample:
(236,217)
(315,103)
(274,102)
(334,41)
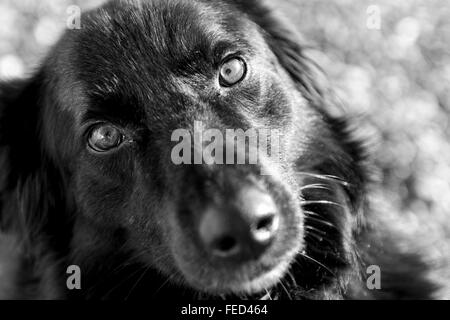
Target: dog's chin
(240,283)
(259,285)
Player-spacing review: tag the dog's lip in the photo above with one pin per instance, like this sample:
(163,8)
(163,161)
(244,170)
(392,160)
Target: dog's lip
(261,284)
(256,288)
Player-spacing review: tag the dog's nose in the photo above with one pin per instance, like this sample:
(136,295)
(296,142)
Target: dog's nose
(241,229)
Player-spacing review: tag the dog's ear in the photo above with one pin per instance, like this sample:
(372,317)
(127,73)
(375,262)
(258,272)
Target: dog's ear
(287,45)
(19,122)
(22,180)
(32,186)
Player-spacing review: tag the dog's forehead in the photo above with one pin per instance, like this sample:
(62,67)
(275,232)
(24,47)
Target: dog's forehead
(155,37)
(140,45)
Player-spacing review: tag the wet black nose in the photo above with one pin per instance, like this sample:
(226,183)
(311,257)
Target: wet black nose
(242,229)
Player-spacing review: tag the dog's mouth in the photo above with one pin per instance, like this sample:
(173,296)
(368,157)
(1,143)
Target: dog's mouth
(256,280)
(273,285)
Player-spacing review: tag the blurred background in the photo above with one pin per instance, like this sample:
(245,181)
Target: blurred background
(388,60)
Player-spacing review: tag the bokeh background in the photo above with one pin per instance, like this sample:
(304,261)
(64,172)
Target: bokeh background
(388,60)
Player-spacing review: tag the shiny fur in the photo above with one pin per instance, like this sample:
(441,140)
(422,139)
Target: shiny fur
(128,218)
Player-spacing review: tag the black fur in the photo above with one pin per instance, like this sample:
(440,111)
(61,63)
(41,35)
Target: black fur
(60,205)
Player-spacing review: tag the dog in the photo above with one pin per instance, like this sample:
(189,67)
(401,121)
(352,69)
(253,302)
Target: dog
(88,178)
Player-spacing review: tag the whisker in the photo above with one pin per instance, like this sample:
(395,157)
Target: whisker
(311,228)
(285,289)
(309,213)
(165,283)
(269,297)
(137,282)
(308,202)
(325,177)
(292,278)
(317,262)
(321,221)
(314,186)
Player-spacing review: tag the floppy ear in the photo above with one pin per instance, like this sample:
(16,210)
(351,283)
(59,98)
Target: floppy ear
(19,124)
(19,147)
(30,184)
(287,45)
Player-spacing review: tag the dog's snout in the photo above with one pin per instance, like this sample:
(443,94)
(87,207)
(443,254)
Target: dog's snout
(242,229)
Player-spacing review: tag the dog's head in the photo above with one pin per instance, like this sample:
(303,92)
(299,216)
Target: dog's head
(103,145)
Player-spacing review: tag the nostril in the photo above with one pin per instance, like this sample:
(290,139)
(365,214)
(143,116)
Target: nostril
(225,246)
(266,228)
(265,223)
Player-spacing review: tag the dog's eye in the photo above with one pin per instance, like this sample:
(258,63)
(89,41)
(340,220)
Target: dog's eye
(232,71)
(104,138)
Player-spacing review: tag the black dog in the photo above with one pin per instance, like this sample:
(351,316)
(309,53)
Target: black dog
(88,180)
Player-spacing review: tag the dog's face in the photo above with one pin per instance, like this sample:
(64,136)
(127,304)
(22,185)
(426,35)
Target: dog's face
(141,79)
(114,94)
